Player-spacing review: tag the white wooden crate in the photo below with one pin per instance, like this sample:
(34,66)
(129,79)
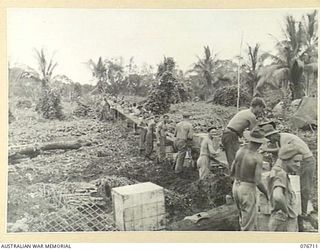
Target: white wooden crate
(139,207)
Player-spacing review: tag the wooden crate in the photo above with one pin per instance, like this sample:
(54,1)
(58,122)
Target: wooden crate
(139,207)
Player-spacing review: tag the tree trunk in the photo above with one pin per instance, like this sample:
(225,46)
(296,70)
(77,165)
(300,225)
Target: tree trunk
(254,84)
(16,153)
(297,90)
(307,84)
(223,218)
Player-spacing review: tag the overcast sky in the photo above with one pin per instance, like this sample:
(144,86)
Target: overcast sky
(78,35)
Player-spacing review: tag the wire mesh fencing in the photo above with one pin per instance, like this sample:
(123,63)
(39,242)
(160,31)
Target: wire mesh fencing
(75,208)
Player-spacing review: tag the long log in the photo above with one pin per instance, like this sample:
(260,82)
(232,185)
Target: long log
(61,145)
(17,153)
(223,218)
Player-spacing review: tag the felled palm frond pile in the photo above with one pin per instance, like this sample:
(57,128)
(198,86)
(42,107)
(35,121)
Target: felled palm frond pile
(227,96)
(203,115)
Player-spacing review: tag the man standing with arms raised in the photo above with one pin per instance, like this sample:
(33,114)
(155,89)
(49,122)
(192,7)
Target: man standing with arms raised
(245,119)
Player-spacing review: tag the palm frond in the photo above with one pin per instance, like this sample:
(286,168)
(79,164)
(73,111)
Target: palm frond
(45,69)
(310,25)
(52,68)
(272,75)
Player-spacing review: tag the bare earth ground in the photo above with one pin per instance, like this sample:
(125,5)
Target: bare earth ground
(112,159)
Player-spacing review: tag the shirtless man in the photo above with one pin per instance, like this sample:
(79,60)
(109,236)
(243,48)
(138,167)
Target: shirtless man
(246,169)
(242,120)
(207,152)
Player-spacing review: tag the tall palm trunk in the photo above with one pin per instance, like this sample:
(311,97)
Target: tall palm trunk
(297,90)
(253,87)
(307,84)
(296,86)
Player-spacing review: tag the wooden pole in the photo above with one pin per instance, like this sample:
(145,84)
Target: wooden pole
(238,99)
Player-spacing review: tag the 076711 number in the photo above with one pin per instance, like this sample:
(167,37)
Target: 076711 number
(308,246)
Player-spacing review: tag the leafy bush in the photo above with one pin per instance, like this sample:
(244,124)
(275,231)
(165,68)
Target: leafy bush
(160,96)
(180,93)
(49,105)
(227,96)
(168,90)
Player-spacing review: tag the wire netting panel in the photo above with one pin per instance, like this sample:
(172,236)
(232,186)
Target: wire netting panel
(77,209)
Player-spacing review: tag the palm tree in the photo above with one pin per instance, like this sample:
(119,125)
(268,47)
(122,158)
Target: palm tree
(45,66)
(99,72)
(289,63)
(109,75)
(310,27)
(251,67)
(115,77)
(205,68)
(49,103)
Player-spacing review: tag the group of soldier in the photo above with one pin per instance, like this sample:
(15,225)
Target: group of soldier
(154,129)
(291,155)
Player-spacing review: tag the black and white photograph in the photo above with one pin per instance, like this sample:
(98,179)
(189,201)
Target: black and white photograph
(162,120)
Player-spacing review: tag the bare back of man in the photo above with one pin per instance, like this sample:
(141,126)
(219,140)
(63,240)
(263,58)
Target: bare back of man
(245,165)
(246,169)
